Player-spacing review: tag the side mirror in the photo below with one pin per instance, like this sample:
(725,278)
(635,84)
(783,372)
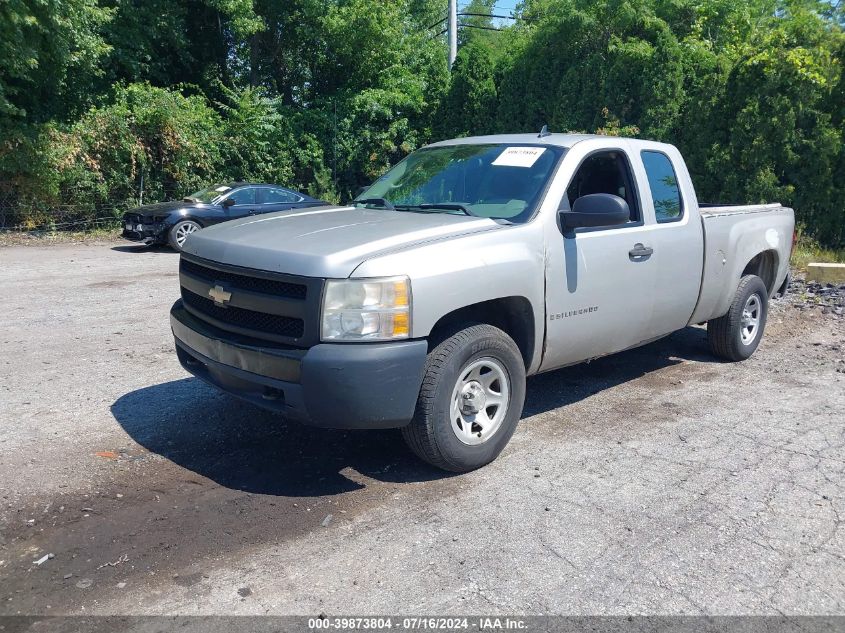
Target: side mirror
(596,209)
(228,202)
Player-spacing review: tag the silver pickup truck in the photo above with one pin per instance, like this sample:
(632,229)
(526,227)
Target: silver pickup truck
(468,266)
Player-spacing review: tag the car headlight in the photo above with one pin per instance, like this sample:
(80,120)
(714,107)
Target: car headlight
(367,309)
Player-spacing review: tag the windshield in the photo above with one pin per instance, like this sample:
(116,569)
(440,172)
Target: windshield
(210,194)
(491,181)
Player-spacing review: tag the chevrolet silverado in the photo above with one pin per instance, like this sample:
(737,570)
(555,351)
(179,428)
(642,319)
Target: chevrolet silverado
(473,263)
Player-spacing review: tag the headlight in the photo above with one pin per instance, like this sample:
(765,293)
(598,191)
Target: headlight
(367,309)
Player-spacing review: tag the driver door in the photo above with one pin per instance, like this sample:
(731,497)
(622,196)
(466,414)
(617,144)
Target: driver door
(244,203)
(600,294)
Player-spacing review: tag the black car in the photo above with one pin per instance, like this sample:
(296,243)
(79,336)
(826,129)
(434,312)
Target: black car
(172,222)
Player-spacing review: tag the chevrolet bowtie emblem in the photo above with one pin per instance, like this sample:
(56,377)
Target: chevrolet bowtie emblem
(220,295)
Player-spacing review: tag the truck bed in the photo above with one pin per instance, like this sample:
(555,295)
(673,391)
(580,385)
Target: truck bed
(708,209)
(733,236)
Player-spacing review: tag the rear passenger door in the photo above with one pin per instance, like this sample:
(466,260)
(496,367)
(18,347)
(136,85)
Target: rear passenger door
(600,281)
(676,236)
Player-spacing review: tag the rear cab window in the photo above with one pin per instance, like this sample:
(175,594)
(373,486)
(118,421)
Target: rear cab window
(663,183)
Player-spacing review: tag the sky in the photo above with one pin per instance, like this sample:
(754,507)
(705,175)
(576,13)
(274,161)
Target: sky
(502,7)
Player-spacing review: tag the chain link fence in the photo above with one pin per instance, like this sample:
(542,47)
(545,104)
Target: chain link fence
(20,216)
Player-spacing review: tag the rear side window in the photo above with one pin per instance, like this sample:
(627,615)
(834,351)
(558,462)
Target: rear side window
(277,195)
(663,183)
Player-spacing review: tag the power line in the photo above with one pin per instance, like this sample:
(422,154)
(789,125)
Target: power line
(475,26)
(452,24)
(490,15)
(496,7)
(431,26)
(465,25)
(498,4)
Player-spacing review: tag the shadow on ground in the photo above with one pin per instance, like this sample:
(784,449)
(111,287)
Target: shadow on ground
(565,386)
(245,448)
(242,447)
(141,249)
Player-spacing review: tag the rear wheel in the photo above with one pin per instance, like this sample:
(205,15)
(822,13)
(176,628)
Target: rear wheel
(736,335)
(471,399)
(180,232)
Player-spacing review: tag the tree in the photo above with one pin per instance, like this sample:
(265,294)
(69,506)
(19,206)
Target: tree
(49,53)
(469,106)
(778,139)
(477,24)
(324,95)
(584,56)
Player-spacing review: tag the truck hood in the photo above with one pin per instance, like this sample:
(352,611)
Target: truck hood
(327,241)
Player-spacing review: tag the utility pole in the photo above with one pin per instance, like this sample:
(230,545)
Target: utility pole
(453,31)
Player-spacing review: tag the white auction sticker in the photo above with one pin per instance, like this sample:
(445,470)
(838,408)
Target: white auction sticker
(519,156)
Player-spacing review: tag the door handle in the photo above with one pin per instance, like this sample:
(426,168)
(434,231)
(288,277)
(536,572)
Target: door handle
(640,252)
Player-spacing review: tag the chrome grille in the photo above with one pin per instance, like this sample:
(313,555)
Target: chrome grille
(257,304)
(258,284)
(245,319)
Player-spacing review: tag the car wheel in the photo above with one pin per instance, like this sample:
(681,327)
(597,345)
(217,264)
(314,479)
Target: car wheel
(736,335)
(180,232)
(471,399)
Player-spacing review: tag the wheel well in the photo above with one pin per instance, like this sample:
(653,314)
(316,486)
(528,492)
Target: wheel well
(512,315)
(765,266)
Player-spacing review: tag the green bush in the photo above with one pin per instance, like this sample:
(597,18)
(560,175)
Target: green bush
(751,92)
(324,95)
(150,141)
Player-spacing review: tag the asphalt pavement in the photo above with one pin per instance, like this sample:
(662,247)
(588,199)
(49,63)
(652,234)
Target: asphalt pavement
(658,481)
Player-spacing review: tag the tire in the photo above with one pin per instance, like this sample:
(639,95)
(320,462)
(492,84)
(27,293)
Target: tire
(479,368)
(179,233)
(736,335)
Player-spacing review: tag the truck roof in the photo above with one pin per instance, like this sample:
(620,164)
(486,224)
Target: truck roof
(558,140)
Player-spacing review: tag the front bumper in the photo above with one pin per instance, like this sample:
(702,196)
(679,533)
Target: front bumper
(148,233)
(350,386)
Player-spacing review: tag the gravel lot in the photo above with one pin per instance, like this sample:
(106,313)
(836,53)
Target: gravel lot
(658,481)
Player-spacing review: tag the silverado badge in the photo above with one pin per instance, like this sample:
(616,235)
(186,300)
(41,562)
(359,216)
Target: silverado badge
(220,295)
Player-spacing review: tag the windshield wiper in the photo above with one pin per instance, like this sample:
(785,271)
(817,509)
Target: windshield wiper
(189,199)
(384,202)
(446,206)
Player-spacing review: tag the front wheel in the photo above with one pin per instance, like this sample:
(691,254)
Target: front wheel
(471,399)
(736,335)
(180,232)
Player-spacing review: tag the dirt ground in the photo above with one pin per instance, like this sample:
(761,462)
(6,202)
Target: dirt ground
(659,481)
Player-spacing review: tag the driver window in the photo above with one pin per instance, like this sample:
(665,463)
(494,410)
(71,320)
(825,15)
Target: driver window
(605,172)
(243,196)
